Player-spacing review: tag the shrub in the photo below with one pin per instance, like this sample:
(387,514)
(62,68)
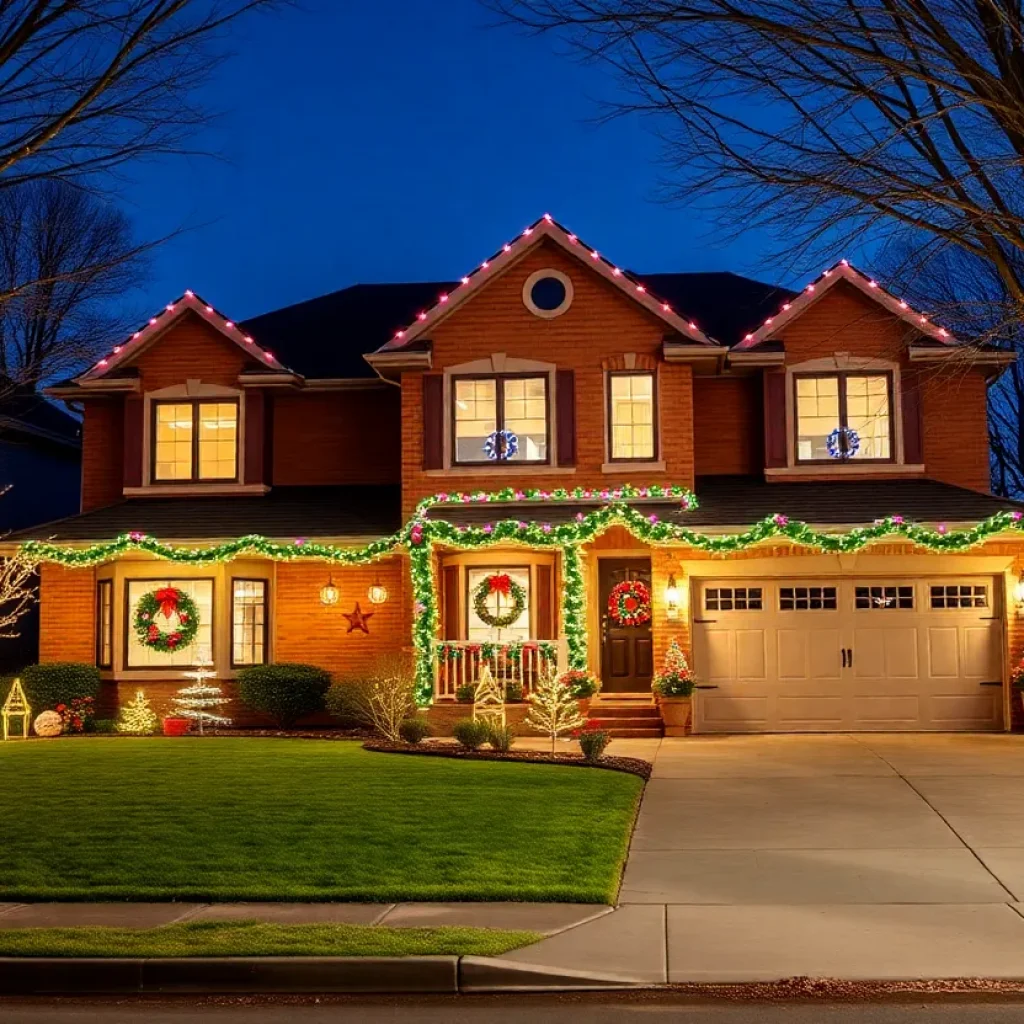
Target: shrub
(471,734)
(514,693)
(59,682)
(466,693)
(501,737)
(103,726)
(286,692)
(381,701)
(77,715)
(592,742)
(414,730)
(582,684)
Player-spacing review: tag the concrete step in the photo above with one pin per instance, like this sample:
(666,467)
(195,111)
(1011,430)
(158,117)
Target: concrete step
(651,733)
(613,711)
(627,723)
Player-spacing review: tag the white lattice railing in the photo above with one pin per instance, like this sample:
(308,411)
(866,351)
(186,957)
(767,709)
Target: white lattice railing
(458,663)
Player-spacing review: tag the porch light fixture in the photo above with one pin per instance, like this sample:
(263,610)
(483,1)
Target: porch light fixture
(377,593)
(329,593)
(1018,594)
(672,598)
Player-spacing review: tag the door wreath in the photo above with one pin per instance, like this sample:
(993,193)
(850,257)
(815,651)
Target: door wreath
(503,585)
(166,619)
(629,603)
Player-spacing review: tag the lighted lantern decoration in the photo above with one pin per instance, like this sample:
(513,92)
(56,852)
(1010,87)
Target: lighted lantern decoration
(377,593)
(329,593)
(672,598)
(16,706)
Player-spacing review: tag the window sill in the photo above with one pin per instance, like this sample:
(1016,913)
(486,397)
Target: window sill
(509,469)
(846,469)
(633,467)
(175,490)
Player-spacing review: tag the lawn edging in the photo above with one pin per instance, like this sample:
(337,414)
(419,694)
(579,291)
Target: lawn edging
(629,765)
(415,975)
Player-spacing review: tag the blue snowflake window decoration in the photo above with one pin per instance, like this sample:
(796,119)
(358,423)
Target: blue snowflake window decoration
(501,445)
(842,443)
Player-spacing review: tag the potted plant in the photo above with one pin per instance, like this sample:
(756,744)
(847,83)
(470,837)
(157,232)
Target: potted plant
(673,687)
(584,686)
(175,726)
(1017,679)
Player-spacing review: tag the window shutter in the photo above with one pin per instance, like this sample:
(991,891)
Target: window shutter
(433,421)
(452,624)
(774,418)
(565,415)
(255,437)
(133,431)
(910,400)
(545,603)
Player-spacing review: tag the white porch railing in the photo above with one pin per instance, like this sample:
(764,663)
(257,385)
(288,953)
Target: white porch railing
(458,663)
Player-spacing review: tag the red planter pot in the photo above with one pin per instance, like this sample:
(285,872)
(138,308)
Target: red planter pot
(176,726)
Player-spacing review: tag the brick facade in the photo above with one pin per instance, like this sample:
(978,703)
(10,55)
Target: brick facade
(67,614)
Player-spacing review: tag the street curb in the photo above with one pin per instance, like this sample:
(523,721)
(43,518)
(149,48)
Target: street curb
(413,975)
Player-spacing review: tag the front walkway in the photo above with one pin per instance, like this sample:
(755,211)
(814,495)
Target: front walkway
(866,856)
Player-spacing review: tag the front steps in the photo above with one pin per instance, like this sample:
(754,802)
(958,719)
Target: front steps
(627,717)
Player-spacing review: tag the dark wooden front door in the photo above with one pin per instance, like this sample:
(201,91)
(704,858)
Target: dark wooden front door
(626,651)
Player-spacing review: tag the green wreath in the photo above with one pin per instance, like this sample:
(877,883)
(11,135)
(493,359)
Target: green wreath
(166,602)
(500,583)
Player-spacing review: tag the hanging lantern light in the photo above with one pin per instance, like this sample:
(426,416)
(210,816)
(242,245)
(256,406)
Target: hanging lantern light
(329,593)
(377,593)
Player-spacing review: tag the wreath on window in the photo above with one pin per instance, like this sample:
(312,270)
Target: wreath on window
(842,443)
(504,586)
(501,445)
(166,619)
(629,603)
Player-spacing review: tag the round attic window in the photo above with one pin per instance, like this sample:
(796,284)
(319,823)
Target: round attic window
(547,293)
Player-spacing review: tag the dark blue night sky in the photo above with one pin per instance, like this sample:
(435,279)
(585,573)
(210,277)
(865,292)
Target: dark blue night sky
(404,140)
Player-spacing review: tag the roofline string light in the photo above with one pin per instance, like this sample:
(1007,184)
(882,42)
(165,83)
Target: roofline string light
(188,300)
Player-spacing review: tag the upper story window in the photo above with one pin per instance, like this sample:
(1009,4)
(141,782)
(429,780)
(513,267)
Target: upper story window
(842,416)
(195,441)
(484,407)
(631,417)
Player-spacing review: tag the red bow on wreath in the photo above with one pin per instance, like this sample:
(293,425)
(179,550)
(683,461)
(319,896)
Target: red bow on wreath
(501,584)
(168,600)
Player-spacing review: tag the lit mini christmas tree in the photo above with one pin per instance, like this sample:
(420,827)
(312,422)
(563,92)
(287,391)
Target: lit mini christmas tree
(489,699)
(193,701)
(137,717)
(674,679)
(553,708)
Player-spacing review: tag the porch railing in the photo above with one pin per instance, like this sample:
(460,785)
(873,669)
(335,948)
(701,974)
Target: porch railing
(458,663)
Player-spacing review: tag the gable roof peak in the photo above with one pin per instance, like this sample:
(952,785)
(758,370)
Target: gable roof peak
(844,270)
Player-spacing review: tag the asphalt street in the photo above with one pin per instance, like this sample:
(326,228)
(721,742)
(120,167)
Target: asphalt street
(606,1009)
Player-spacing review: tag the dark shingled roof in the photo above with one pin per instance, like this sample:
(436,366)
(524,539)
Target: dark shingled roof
(285,512)
(328,336)
(738,501)
(26,408)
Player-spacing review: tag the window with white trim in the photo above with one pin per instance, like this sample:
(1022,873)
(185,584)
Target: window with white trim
(495,604)
(140,655)
(631,416)
(482,406)
(195,441)
(248,622)
(840,405)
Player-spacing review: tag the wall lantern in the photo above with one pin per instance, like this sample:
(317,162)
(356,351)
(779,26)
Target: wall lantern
(1018,594)
(672,598)
(377,593)
(329,593)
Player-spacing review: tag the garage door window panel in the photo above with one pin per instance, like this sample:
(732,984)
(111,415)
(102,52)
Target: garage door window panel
(733,599)
(852,402)
(884,597)
(959,595)
(808,599)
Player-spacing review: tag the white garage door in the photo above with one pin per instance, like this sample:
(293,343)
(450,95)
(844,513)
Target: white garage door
(845,655)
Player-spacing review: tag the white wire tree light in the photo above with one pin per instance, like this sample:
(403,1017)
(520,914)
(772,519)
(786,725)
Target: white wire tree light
(195,701)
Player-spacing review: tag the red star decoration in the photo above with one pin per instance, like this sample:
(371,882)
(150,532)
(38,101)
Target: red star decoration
(358,619)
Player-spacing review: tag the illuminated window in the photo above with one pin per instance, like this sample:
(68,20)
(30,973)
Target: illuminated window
(478,631)
(857,402)
(105,624)
(248,622)
(482,405)
(140,655)
(631,416)
(195,441)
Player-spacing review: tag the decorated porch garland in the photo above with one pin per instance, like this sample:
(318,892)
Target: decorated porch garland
(629,603)
(167,601)
(499,583)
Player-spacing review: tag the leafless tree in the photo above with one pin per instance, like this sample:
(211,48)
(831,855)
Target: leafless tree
(79,257)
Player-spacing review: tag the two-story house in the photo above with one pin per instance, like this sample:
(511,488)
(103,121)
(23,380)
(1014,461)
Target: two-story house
(553,459)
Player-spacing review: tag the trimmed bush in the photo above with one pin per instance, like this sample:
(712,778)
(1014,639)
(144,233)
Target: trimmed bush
(466,693)
(286,692)
(414,730)
(592,743)
(470,734)
(514,693)
(103,726)
(58,682)
(501,737)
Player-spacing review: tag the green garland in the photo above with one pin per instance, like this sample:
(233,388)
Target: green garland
(421,533)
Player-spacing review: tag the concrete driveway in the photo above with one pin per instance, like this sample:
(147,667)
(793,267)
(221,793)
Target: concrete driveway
(855,856)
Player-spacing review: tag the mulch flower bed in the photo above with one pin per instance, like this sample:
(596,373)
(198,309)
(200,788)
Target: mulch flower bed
(630,765)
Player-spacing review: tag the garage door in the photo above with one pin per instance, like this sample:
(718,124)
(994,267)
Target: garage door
(846,655)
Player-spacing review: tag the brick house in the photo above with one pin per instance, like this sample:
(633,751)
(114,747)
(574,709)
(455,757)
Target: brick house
(326,485)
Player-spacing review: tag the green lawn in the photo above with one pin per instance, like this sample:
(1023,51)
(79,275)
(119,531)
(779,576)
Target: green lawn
(252,938)
(265,819)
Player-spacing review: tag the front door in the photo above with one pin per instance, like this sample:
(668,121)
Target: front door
(626,651)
